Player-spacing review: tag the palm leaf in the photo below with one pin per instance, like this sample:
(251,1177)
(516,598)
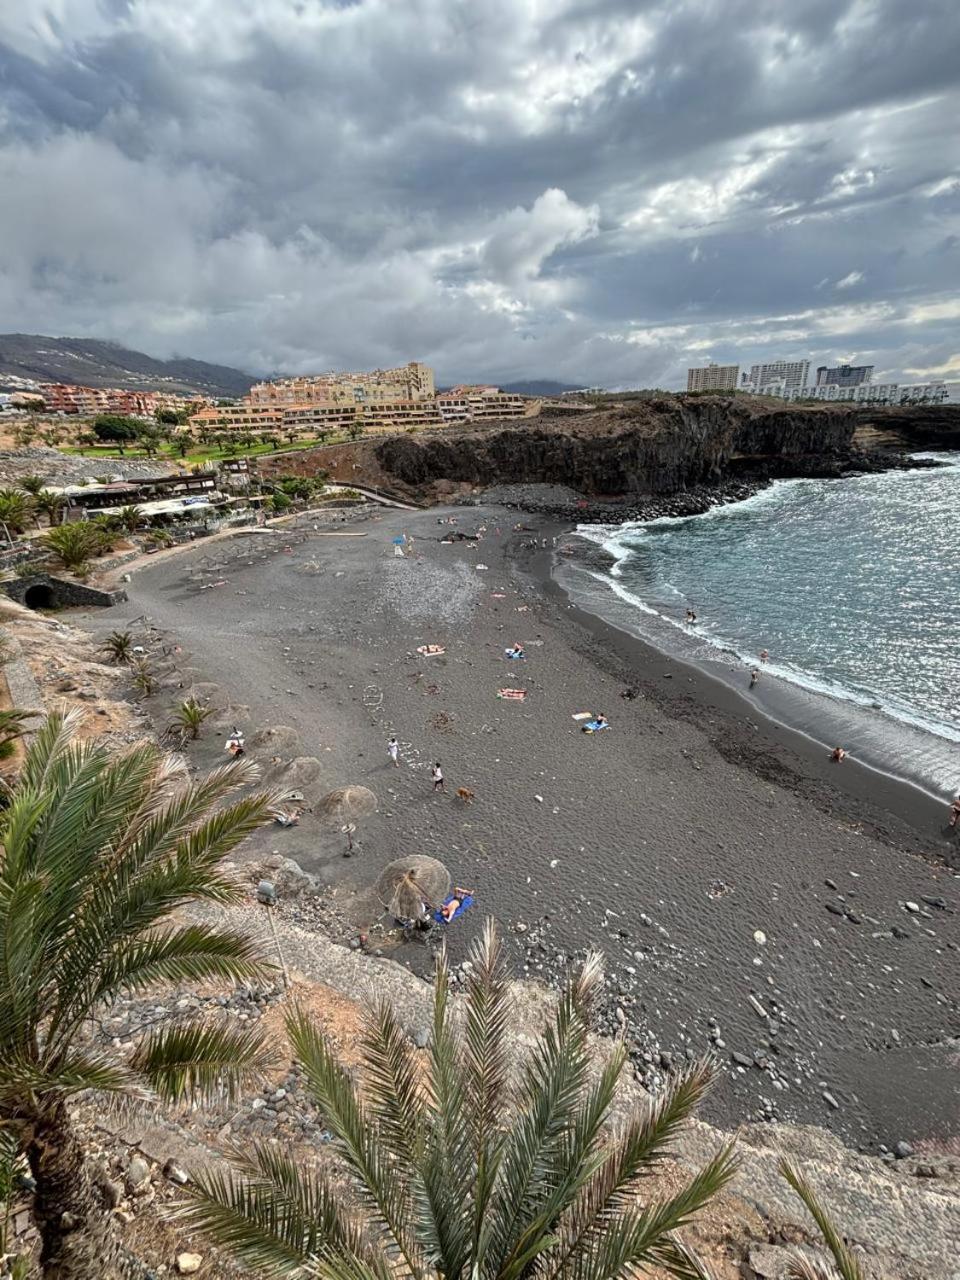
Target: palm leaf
(381,1183)
(848,1265)
(201,1060)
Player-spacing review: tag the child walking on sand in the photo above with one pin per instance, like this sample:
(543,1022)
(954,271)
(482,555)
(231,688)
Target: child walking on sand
(437,773)
(393,751)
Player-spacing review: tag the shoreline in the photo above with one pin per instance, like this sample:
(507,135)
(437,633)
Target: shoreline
(641,661)
(667,843)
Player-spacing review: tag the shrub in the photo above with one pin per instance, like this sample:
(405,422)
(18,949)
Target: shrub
(74,544)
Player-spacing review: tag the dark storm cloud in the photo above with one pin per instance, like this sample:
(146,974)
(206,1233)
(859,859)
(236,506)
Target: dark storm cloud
(598,190)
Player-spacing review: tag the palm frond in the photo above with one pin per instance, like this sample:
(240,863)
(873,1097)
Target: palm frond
(71,1072)
(643,1237)
(554,1080)
(201,1060)
(393,1087)
(801,1268)
(848,1265)
(485,1065)
(251,1219)
(381,1183)
(447,1171)
(634,1155)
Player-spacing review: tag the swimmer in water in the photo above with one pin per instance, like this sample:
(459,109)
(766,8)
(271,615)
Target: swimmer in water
(837,754)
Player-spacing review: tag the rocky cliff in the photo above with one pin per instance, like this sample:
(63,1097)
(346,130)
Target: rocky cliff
(661,446)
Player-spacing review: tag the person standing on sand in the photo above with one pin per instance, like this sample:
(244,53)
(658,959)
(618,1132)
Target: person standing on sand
(437,772)
(754,676)
(955,812)
(393,751)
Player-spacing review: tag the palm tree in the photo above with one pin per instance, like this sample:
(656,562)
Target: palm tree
(51,504)
(73,543)
(144,679)
(98,851)
(129,517)
(31,484)
(452,1180)
(189,718)
(119,646)
(16,509)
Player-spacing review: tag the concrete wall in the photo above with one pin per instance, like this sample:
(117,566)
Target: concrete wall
(42,591)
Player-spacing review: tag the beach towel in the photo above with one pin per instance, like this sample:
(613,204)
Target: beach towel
(465,904)
(512,653)
(583,715)
(431,650)
(594,726)
(517,694)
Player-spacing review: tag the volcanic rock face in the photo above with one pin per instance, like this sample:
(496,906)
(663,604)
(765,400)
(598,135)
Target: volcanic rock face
(658,446)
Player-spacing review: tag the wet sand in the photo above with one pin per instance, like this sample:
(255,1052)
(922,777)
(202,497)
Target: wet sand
(669,841)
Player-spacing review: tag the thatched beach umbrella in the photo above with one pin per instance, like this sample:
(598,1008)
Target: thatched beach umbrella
(408,884)
(345,807)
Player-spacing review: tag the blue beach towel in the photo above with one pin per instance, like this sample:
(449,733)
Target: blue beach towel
(594,726)
(465,905)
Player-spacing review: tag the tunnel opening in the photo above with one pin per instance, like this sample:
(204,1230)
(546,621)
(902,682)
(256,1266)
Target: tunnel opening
(39,596)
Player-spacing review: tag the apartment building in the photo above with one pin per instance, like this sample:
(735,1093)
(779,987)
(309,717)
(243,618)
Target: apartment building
(413,381)
(62,397)
(872,393)
(238,417)
(844,375)
(713,377)
(468,404)
(792,375)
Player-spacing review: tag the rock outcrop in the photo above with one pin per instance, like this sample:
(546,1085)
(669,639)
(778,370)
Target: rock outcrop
(661,446)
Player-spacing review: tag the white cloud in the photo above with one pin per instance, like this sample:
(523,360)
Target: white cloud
(849,280)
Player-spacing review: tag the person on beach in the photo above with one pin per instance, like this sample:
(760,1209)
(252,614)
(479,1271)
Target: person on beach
(955,812)
(234,744)
(600,720)
(754,676)
(398,546)
(691,617)
(437,773)
(837,754)
(450,909)
(764,655)
(393,751)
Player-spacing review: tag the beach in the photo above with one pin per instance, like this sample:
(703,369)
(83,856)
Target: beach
(752,899)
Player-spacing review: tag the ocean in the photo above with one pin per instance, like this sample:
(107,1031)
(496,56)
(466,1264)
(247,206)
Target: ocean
(852,586)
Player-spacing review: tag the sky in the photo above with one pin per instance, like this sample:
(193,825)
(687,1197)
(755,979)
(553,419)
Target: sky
(601,192)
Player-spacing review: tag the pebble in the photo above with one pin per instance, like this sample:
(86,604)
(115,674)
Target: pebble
(188,1264)
(138,1171)
(902,1150)
(912,907)
(830,1100)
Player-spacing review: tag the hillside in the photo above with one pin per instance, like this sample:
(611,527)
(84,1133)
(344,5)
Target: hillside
(91,363)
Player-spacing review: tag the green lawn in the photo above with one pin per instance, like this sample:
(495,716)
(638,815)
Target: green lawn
(198,455)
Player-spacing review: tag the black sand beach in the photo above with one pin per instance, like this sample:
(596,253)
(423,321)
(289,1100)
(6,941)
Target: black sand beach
(750,897)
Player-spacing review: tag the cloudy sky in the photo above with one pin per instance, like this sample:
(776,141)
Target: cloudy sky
(600,191)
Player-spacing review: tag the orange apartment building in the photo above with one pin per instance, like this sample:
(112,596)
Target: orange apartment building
(385,400)
(63,397)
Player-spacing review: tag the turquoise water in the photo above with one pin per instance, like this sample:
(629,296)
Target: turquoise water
(853,587)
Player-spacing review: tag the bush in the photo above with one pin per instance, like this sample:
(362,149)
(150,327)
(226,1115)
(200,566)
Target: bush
(280,502)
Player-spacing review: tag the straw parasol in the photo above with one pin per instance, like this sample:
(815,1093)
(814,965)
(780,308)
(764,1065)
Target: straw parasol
(345,807)
(408,884)
(347,804)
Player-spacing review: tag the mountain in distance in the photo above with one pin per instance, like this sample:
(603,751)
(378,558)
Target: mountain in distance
(540,387)
(89,362)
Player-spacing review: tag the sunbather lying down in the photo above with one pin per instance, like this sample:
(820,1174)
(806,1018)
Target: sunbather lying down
(515,651)
(596,724)
(454,902)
